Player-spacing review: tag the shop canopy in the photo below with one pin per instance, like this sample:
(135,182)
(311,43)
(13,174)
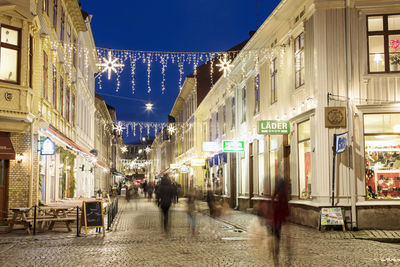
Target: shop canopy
(6,148)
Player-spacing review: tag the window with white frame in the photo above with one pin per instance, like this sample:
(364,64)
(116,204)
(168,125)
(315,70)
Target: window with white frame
(383,33)
(10,49)
(304,154)
(299,60)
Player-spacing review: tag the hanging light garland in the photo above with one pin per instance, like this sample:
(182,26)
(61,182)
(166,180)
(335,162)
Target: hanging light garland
(110,65)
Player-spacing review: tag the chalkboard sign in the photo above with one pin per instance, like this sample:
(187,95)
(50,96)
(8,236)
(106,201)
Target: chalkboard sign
(92,215)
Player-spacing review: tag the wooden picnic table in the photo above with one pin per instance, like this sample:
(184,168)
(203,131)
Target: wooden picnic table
(44,215)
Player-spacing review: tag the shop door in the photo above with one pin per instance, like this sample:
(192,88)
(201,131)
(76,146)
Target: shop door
(4,164)
(286,162)
(251,182)
(232,176)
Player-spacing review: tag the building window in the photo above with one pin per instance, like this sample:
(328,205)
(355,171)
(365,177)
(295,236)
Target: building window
(383,43)
(274,79)
(67,99)
(73,109)
(75,53)
(233,119)
(257,94)
(55,7)
(62,22)
(46,7)
(299,60)
(62,96)
(382,155)
(304,149)
(216,125)
(244,104)
(45,73)
(273,161)
(54,87)
(10,54)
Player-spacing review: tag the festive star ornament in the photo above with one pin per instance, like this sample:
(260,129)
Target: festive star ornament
(394,44)
(225,65)
(124,149)
(147,149)
(171,129)
(110,65)
(119,128)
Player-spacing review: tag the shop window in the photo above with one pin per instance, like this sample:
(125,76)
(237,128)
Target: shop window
(10,49)
(244,176)
(274,80)
(383,43)
(257,94)
(299,60)
(382,155)
(304,150)
(273,161)
(261,166)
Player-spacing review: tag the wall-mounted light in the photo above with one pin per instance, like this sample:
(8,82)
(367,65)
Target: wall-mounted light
(20,158)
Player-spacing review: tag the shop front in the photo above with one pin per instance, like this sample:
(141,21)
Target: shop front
(7,153)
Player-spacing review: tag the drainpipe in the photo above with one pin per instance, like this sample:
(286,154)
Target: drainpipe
(352,178)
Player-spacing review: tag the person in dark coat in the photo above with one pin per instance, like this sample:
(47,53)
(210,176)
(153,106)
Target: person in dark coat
(164,199)
(150,189)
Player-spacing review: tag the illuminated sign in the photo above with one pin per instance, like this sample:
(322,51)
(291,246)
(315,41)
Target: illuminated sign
(233,146)
(198,162)
(47,147)
(210,147)
(273,127)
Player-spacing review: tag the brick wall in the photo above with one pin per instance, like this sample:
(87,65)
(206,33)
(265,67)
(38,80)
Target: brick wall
(20,173)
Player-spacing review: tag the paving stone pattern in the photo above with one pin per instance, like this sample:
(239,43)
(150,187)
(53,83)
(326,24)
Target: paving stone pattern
(137,239)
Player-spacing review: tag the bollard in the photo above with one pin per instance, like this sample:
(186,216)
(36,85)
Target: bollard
(77,221)
(34,220)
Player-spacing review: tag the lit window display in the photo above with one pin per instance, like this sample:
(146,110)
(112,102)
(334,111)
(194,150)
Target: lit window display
(304,150)
(382,156)
(273,161)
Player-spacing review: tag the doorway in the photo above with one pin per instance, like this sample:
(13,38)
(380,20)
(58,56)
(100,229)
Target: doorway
(4,169)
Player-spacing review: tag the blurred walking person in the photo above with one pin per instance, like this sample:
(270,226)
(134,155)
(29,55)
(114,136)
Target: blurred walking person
(211,200)
(191,210)
(280,211)
(150,189)
(164,199)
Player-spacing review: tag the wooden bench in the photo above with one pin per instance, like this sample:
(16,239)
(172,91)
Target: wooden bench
(52,221)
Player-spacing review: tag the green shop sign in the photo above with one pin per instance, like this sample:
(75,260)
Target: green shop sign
(233,146)
(273,127)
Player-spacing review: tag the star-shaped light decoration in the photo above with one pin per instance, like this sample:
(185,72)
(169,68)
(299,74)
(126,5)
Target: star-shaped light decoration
(124,149)
(225,65)
(149,106)
(147,149)
(119,128)
(110,65)
(171,129)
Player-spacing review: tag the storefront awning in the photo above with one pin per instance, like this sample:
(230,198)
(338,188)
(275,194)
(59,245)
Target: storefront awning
(6,148)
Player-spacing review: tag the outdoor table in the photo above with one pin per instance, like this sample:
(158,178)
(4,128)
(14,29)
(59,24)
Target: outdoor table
(19,216)
(57,214)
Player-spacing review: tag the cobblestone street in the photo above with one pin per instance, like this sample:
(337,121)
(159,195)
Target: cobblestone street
(137,240)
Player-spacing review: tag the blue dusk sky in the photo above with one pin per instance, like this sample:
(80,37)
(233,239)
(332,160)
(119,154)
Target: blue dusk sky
(162,25)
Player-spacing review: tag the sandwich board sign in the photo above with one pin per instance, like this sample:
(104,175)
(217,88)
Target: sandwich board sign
(92,215)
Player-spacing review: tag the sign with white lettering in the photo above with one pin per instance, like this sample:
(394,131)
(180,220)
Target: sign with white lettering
(233,146)
(273,127)
(47,147)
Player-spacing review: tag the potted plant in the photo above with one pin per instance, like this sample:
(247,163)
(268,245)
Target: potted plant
(395,62)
